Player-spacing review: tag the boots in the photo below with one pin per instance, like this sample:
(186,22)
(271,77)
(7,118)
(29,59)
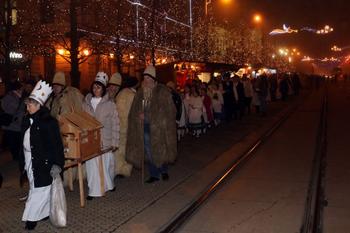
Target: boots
(30,225)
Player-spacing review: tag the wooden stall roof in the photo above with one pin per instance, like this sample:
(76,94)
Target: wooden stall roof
(82,120)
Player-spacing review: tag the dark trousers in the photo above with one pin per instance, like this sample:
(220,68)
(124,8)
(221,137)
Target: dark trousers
(12,139)
(238,110)
(247,104)
(153,170)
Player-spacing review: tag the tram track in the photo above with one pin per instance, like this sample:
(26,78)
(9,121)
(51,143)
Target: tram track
(183,216)
(316,200)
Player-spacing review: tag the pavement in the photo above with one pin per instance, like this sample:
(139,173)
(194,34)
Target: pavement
(268,194)
(118,210)
(337,189)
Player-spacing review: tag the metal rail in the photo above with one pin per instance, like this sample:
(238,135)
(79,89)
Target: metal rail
(315,201)
(185,214)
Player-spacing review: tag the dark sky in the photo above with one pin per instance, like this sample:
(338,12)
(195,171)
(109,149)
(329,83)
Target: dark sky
(305,13)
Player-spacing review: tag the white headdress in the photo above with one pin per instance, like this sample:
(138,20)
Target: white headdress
(102,77)
(41,92)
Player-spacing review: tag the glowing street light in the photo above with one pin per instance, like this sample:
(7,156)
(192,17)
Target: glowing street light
(86,52)
(60,51)
(208,2)
(257,18)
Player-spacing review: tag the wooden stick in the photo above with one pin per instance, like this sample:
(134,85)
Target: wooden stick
(143,168)
(102,177)
(70,179)
(143,154)
(81,185)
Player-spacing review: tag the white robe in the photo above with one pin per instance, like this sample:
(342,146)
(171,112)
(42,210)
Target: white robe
(195,110)
(93,172)
(38,202)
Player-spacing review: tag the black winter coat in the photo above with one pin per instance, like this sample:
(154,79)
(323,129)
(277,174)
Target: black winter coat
(46,146)
(240,92)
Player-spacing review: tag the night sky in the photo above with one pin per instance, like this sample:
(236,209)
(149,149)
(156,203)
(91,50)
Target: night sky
(306,13)
(298,14)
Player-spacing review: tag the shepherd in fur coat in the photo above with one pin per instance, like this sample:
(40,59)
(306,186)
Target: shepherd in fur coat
(158,114)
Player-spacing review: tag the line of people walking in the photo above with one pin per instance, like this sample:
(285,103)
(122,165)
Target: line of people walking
(139,123)
(142,122)
(201,106)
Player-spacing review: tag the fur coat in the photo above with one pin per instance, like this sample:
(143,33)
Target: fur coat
(163,128)
(70,99)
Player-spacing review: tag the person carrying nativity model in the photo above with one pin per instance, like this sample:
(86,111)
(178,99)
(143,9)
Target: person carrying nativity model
(98,104)
(42,154)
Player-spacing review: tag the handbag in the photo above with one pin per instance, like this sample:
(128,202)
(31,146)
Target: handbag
(58,204)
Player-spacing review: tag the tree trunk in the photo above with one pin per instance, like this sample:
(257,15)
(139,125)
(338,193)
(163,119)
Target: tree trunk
(74,45)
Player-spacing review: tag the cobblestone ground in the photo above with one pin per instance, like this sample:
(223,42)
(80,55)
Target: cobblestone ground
(131,196)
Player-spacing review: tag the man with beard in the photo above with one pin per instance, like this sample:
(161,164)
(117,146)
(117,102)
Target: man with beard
(152,128)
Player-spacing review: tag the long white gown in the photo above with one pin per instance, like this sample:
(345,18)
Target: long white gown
(38,202)
(92,168)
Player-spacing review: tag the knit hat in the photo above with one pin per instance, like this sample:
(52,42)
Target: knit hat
(59,78)
(41,92)
(150,71)
(102,77)
(116,79)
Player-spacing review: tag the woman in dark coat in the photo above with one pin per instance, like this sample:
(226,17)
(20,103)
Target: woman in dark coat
(42,154)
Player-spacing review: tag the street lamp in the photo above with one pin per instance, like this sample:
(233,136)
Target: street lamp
(207,2)
(257,18)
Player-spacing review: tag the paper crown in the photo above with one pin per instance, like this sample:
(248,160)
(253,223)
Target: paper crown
(102,77)
(41,92)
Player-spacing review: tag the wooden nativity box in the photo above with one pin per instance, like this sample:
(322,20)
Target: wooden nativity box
(81,134)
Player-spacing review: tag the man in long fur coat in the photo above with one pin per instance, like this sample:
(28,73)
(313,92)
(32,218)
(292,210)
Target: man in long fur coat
(152,128)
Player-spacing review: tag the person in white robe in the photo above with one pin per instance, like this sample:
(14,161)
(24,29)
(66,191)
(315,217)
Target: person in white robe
(42,155)
(98,104)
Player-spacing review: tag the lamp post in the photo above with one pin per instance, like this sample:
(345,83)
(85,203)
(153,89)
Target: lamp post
(206,52)
(207,3)
(258,20)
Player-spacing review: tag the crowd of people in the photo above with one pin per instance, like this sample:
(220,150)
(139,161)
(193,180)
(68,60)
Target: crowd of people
(204,105)
(142,122)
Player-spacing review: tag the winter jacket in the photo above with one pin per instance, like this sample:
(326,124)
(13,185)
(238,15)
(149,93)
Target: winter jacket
(70,99)
(46,146)
(13,104)
(106,113)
